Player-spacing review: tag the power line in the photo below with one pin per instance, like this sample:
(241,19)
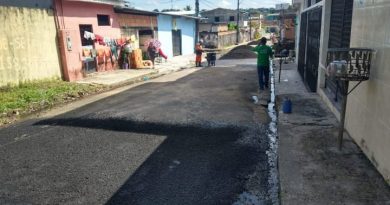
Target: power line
(210,4)
(238,22)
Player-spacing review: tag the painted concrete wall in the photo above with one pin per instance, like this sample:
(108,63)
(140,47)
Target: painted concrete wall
(187,27)
(28,45)
(164,23)
(368,109)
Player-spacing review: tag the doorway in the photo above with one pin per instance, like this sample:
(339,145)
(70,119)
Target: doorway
(87,45)
(176,42)
(309,47)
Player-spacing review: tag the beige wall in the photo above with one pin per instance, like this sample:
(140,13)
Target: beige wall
(368,109)
(28,47)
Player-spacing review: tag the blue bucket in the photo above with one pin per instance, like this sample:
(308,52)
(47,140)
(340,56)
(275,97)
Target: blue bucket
(287,106)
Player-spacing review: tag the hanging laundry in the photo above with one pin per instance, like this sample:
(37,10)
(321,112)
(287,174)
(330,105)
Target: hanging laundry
(107,41)
(99,39)
(89,35)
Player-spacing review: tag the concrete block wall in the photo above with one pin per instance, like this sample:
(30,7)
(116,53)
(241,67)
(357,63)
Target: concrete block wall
(368,109)
(28,45)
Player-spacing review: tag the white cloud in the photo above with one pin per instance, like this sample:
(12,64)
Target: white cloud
(226,3)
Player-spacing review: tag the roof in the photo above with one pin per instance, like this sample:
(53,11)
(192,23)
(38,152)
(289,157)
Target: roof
(109,2)
(134,11)
(181,12)
(223,9)
(149,13)
(178,15)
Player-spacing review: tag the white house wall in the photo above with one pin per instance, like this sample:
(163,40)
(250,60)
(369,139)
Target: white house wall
(368,109)
(164,23)
(187,27)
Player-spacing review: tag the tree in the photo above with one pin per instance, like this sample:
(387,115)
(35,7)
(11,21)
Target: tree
(232,26)
(126,3)
(167,10)
(156,10)
(188,8)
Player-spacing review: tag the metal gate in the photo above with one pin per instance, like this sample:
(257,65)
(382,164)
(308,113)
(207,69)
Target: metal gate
(309,47)
(302,46)
(313,47)
(339,37)
(176,41)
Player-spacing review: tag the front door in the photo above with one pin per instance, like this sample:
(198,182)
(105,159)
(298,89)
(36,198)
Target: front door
(176,41)
(302,46)
(314,18)
(309,47)
(89,63)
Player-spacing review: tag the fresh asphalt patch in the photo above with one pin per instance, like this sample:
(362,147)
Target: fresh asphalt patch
(196,140)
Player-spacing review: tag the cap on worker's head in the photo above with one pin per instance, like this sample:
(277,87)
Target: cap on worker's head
(263,40)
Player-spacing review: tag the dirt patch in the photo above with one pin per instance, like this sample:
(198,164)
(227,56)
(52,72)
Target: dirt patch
(240,52)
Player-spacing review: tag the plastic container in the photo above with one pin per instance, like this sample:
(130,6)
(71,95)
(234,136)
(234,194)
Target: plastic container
(287,105)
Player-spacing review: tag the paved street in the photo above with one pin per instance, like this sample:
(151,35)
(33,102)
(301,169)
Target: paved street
(179,139)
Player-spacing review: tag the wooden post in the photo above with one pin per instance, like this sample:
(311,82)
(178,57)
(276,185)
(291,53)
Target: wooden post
(280,67)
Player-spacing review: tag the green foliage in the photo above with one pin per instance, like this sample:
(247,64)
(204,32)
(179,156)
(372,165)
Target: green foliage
(166,10)
(232,26)
(187,8)
(39,94)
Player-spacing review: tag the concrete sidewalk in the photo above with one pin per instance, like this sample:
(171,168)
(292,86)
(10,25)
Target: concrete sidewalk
(121,77)
(312,169)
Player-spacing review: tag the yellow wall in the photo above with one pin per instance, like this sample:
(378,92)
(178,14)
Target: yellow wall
(368,109)
(28,45)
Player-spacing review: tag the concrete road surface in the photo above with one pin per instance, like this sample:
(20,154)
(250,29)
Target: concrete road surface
(180,139)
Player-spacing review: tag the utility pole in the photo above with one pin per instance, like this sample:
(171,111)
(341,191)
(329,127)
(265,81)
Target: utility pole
(238,23)
(197,8)
(250,27)
(197,22)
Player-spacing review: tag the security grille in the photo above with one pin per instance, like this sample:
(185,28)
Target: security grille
(339,37)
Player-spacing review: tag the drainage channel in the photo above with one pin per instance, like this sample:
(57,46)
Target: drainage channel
(272,152)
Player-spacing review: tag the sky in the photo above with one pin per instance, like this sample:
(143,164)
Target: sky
(204,4)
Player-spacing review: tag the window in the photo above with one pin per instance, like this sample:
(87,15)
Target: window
(231,18)
(103,20)
(216,19)
(83,28)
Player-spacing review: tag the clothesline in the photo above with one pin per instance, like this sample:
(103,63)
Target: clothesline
(102,40)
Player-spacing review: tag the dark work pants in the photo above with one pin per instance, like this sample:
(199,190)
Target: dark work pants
(263,72)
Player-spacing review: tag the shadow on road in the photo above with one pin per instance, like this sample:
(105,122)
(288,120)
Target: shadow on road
(196,164)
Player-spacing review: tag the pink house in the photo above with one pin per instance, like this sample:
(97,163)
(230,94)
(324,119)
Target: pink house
(73,18)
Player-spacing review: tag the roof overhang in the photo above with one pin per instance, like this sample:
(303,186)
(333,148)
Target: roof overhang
(124,10)
(107,2)
(177,15)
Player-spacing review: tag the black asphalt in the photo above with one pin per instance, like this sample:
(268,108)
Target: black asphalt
(196,140)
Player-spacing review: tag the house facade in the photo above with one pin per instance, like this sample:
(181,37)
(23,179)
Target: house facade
(176,34)
(328,24)
(138,23)
(221,15)
(81,54)
(109,25)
